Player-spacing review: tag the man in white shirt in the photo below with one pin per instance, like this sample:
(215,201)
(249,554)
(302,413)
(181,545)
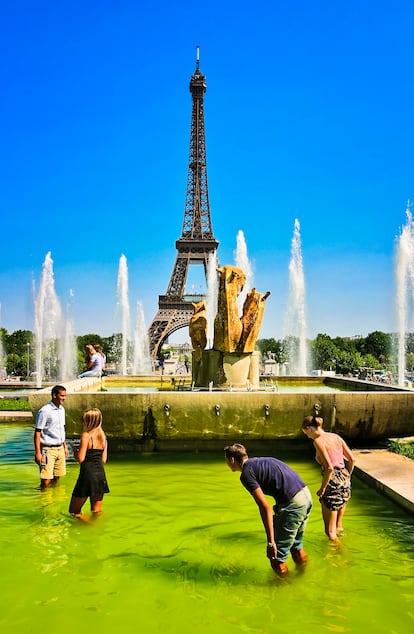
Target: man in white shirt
(50,440)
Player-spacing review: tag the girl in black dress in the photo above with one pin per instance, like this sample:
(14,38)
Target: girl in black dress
(91,454)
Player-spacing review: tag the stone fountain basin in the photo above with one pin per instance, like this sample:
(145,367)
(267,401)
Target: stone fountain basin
(188,419)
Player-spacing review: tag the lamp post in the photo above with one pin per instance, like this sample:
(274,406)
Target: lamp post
(28,359)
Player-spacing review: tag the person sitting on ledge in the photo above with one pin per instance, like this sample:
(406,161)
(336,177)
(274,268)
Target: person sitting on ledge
(94,363)
(285,528)
(100,351)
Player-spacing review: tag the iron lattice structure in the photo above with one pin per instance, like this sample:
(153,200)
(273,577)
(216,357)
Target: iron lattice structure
(197,241)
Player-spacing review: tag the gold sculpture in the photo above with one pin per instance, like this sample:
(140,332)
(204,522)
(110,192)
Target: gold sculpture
(198,328)
(232,333)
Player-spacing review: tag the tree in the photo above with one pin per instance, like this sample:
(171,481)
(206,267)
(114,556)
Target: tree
(409,362)
(3,335)
(348,362)
(15,365)
(379,345)
(84,340)
(17,341)
(16,349)
(347,345)
(324,352)
(369,361)
(271,345)
(410,343)
(81,342)
(112,346)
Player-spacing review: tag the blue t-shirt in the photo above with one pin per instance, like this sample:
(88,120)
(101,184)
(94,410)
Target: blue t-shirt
(273,476)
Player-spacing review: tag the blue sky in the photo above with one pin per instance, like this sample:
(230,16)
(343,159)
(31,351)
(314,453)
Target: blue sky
(308,115)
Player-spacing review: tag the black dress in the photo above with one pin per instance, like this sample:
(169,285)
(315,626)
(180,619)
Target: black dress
(92,479)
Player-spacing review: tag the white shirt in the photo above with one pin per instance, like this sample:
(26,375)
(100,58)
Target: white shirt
(50,421)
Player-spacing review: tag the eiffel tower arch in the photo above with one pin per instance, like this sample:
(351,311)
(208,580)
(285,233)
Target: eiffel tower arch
(197,241)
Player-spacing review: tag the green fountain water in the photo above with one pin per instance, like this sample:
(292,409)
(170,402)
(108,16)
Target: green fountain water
(180,548)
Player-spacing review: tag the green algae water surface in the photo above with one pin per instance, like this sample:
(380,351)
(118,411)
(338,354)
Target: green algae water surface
(180,549)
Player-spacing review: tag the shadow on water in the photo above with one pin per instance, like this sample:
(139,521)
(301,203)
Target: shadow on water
(16,444)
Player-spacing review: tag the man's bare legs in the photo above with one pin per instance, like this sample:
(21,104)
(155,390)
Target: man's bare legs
(44,483)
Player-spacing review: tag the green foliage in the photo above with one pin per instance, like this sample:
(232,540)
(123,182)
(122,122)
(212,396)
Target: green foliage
(18,404)
(324,352)
(17,341)
(379,345)
(112,346)
(347,355)
(410,343)
(403,448)
(347,362)
(347,345)
(273,346)
(370,361)
(409,361)
(85,340)
(344,356)
(80,360)
(14,364)
(3,335)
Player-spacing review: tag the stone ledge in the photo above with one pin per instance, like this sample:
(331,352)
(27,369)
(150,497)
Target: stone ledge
(75,385)
(16,417)
(389,473)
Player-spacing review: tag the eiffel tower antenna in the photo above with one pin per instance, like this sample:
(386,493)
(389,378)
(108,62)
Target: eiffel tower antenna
(197,241)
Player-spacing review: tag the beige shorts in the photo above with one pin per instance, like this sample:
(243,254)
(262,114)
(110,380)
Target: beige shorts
(53,462)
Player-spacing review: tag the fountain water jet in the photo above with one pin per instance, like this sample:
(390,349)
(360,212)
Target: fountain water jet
(233,405)
(142,360)
(68,364)
(295,321)
(404,271)
(123,303)
(2,356)
(212,293)
(242,262)
(53,336)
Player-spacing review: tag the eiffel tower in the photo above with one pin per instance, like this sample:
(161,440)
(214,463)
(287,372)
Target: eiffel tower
(197,241)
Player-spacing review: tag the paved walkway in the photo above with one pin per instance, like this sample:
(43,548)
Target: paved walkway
(16,417)
(389,473)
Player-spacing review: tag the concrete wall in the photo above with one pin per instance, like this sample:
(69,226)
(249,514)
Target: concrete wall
(196,418)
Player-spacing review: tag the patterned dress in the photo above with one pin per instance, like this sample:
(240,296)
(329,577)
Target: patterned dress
(338,489)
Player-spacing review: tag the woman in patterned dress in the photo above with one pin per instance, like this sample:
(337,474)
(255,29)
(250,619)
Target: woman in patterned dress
(332,453)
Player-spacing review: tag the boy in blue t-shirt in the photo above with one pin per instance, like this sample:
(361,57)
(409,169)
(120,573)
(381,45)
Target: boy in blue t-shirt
(286,526)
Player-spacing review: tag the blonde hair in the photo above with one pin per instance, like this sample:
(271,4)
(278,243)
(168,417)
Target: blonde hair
(92,418)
